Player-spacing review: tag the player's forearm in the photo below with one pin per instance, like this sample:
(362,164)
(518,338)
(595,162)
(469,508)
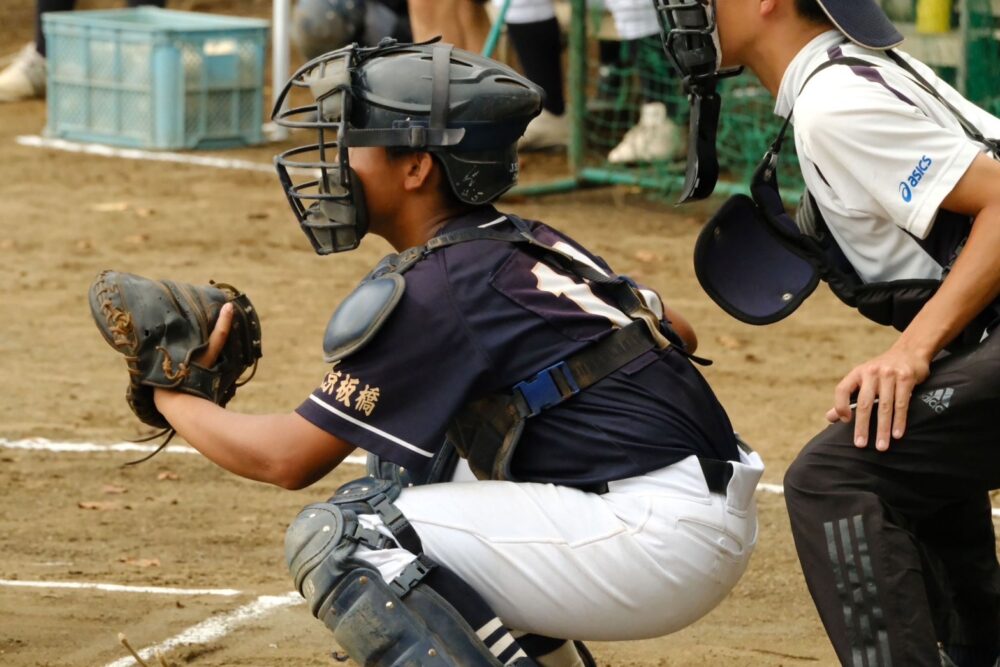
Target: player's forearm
(251,446)
(972,284)
(682,327)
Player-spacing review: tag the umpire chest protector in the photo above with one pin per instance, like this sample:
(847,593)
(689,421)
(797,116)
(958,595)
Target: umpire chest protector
(486,430)
(759,264)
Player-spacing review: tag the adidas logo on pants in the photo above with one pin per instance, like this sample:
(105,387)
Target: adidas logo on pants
(939,400)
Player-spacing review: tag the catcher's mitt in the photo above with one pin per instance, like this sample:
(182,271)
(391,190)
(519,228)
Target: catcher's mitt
(161,326)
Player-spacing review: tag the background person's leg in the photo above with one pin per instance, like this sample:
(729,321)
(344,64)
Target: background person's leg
(534,33)
(430,18)
(656,136)
(475,24)
(48,6)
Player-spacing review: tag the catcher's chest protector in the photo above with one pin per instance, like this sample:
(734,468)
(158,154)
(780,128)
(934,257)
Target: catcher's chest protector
(486,431)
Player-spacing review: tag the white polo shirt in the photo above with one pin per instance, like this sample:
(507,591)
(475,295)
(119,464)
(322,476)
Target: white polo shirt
(878,153)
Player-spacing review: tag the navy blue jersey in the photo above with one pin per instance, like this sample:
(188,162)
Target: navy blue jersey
(481,316)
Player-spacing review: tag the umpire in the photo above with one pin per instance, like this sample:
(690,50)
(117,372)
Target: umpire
(889,505)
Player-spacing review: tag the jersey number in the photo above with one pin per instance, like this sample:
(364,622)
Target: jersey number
(579,293)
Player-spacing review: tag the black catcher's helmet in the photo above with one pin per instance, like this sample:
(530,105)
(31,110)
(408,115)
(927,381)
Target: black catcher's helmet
(466,110)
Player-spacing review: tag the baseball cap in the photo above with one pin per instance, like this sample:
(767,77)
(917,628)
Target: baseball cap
(863,22)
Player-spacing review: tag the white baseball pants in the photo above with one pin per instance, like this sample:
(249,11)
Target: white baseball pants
(647,558)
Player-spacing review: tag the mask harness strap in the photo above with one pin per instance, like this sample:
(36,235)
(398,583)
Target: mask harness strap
(442,85)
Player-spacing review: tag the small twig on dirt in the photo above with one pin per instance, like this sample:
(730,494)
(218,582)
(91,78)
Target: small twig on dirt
(124,642)
(159,657)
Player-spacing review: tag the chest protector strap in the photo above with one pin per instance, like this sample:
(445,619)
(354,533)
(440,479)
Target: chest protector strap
(486,431)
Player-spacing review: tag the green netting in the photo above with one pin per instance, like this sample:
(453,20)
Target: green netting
(621,77)
(625,76)
(983,54)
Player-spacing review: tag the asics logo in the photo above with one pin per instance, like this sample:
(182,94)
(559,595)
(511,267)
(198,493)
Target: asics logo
(910,183)
(939,400)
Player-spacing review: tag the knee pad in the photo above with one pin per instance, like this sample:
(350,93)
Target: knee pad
(318,551)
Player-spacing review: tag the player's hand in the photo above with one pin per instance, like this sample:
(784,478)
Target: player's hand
(217,339)
(886,384)
(208,357)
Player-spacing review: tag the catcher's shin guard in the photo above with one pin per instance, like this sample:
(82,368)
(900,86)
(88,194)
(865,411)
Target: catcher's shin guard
(402,623)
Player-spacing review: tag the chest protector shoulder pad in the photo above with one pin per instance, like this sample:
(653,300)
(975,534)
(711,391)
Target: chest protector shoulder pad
(362,315)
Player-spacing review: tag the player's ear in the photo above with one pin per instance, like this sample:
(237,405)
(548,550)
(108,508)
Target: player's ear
(418,171)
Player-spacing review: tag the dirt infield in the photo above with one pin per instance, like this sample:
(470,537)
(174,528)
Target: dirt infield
(178,521)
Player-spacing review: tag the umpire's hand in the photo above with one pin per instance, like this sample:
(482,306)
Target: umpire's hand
(887,381)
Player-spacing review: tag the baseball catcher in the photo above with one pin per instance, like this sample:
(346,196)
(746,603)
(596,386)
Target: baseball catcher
(163,329)
(601,492)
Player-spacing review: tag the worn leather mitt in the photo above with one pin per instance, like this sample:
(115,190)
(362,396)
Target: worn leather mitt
(161,326)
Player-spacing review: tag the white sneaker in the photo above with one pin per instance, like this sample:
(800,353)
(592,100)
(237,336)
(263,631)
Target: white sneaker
(24,77)
(655,138)
(546,130)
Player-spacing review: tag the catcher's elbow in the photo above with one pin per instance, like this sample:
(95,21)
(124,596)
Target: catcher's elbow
(292,484)
(295,475)
(290,478)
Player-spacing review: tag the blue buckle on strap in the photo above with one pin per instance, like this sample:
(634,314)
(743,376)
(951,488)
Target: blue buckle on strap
(549,387)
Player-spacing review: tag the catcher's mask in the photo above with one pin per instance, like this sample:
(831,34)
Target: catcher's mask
(465,110)
(690,37)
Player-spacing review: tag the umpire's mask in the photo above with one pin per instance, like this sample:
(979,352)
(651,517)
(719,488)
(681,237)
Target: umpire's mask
(690,37)
(465,110)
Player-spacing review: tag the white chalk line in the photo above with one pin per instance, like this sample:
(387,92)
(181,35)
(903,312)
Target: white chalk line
(104,150)
(215,627)
(85,447)
(43,444)
(119,588)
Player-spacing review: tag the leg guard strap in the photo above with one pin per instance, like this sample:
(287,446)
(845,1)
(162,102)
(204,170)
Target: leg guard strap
(374,496)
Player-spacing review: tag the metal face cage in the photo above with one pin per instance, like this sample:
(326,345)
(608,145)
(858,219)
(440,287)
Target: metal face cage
(316,177)
(689,32)
(325,194)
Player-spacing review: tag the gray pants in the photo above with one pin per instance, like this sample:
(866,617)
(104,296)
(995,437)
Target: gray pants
(898,548)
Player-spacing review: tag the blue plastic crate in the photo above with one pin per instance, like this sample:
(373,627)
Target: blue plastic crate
(155,78)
